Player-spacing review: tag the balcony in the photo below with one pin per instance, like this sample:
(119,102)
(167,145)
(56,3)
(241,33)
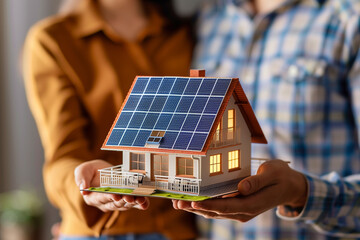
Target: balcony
(226,137)
(115,177)
(178,184)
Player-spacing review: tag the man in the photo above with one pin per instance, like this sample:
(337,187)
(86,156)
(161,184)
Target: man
(299,63)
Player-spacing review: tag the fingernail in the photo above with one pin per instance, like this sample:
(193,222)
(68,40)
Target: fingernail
(81,186)
(246,186)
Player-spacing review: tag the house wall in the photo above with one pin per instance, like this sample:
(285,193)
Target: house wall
(172,164)
(244,147)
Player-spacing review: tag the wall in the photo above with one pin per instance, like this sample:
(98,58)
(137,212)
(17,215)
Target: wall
(244,147)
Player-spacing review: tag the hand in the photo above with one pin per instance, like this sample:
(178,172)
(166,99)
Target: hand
(274,184)
(87,175)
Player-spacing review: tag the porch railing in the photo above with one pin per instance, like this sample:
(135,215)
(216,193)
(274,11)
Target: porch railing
(115,177)
(226,137)
(178,184)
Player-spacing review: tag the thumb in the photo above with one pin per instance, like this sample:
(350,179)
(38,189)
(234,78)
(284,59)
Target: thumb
(83,175)
(253,184)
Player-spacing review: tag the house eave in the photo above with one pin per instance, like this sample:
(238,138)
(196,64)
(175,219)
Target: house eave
(153,150)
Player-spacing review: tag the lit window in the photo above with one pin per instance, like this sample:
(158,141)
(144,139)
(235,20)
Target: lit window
(234,160)
(215,163)
(218,132)
(185,166)
(137,161)
(231,124)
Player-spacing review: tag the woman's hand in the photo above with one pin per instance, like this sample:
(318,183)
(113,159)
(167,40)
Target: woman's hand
(87,175)
(274,184)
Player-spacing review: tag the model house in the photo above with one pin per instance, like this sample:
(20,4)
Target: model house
(190,135)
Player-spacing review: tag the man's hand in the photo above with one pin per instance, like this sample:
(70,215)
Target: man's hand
(87,175)
(274,184)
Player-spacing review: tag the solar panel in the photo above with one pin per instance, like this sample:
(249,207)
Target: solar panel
(177,122)
(190,122)
(183,140)
(213,105)
(141,138)
(197,142)
(166,85)
(115,137)
(198,105)
(221,86)
(171,104)
(168,140)
(184,108)
(207,86)
(193,86)
(128,137)
(184,104)
(123,120)
(140,85)
(179,86)
(158,104)
(153,85)
(205,123)
(132,102)
(145,103)
(150,120)
(163,121)
(137,120)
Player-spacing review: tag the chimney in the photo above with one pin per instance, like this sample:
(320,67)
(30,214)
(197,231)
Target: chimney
(197,73)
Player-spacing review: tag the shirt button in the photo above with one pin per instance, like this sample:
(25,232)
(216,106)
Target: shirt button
(293,71)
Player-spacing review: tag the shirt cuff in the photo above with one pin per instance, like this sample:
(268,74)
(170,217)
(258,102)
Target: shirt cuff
(320,196)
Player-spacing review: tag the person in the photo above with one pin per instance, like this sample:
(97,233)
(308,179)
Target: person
(78,68)
(299,64)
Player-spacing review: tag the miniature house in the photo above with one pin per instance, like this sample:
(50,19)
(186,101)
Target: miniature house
(183,134)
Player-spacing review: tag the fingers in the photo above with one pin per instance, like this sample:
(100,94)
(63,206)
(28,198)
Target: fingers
(188,206)
(113,202)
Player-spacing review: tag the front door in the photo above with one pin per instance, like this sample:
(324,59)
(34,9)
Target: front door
(160,165)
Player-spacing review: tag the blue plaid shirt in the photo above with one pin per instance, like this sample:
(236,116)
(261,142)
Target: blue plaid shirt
(300,68)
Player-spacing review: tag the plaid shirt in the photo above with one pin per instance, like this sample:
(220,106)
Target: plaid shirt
(300,68)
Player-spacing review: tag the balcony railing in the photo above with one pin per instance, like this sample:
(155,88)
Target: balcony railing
(226,137)
(115,177)
(178,184)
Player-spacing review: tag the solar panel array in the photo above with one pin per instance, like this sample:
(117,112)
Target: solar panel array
(185,108)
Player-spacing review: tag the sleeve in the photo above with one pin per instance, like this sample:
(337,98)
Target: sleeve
(61,122)
(333,204)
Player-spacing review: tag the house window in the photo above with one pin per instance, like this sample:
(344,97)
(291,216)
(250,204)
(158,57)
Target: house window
(155,137)
(160,164)
(231,124)
(185,166)
(234,160)
(137,161)
(215,164)
(217,137)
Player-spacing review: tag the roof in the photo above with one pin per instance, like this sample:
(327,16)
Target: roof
(184,112)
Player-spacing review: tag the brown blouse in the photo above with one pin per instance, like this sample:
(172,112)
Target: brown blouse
(77,72)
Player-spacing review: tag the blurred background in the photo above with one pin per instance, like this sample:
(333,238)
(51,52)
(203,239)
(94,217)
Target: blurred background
(22,197)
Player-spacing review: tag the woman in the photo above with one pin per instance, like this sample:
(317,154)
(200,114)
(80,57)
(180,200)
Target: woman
(78,68)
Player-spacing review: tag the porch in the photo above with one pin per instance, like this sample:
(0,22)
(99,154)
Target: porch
(118,178)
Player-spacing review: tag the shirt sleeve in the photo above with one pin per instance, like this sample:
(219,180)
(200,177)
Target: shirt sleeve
(333,204)
(61,122)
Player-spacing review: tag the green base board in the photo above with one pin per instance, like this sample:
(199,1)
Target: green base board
(157,193)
